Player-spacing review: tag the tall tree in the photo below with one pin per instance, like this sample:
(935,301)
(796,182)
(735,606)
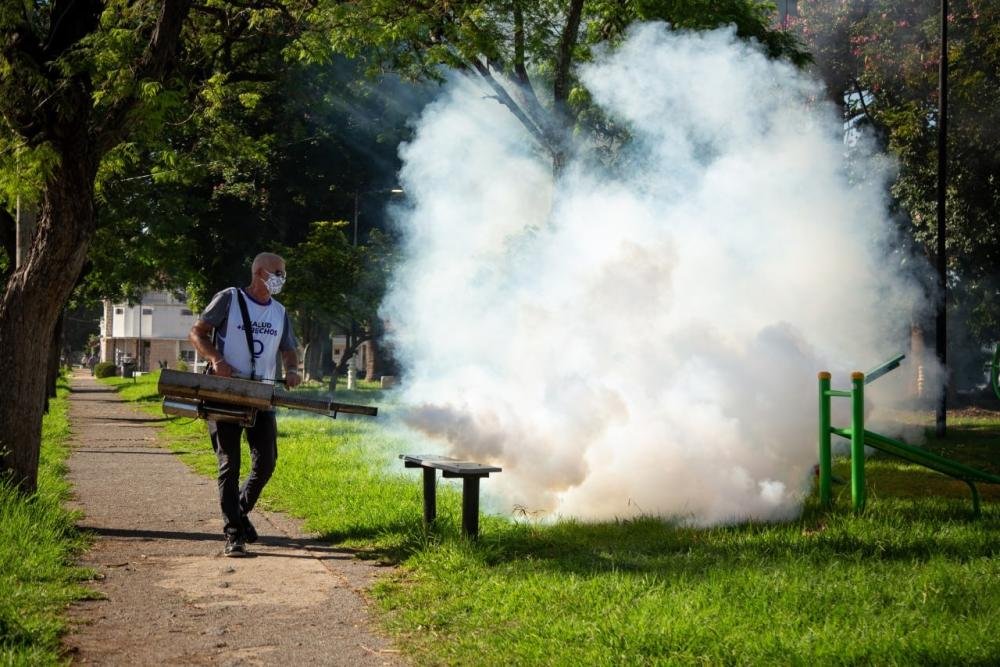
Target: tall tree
(50,93)
(336,287)
(879,59)
(79,80)
(328,140)
(526,52)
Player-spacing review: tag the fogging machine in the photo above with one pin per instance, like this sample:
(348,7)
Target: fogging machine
(229,399)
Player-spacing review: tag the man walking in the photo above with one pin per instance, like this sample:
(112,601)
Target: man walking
(242,333)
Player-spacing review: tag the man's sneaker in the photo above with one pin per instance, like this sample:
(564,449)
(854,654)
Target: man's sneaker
(249,532)
(234,547)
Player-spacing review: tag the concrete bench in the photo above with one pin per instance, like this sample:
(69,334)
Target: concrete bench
(470,473)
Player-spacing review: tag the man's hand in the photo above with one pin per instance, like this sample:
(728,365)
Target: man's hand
(201,338)
(222,368)
(292,378)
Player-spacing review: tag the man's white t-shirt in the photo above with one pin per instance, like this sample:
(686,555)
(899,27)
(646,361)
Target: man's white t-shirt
(272,332)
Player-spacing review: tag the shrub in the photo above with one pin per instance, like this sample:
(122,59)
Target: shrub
(105,369)
(182,365)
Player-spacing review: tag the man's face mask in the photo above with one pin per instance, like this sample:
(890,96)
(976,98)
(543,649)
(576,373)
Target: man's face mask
(275,281)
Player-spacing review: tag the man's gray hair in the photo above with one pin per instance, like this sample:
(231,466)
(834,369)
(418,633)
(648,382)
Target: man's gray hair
(265,258)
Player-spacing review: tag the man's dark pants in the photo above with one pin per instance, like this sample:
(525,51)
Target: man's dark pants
(237,501)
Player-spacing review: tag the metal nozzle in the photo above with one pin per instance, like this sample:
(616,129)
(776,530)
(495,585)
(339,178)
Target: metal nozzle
(181,408)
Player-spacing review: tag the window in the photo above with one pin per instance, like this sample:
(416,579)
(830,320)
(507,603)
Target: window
(119,311)
(187,356)
(147,311)
(185,312)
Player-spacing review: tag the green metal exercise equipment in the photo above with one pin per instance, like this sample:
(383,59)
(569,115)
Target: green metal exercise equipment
(860,437)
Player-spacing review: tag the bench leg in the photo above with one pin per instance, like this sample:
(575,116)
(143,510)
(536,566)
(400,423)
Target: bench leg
(430,495)
(470,507)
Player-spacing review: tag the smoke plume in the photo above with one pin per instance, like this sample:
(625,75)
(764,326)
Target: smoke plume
(644,340)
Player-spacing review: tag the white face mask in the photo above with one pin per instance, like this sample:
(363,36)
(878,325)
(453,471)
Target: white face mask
(274,283)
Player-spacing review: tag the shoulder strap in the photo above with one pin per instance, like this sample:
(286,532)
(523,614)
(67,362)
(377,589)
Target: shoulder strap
(248,330)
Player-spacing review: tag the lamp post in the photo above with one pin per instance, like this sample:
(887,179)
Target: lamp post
(351,365)
(357,210)
(138,350)
(941,329)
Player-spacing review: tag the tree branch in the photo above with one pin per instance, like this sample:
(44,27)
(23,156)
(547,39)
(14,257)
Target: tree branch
(71,21)
(861,98)
(504,98)
(265,4)
(519,68)
(564,56)
(527,92)
(24,54)
(154,64)
(159,56)
(8,239)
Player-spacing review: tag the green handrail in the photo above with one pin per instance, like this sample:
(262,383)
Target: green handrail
(858,440)
(860,437)
(825,447)
(884,368)
(928,459)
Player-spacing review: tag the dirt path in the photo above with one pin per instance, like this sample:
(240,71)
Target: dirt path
(171,596)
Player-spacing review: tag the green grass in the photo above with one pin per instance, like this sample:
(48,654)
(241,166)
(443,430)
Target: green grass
(914,580)
(38,543)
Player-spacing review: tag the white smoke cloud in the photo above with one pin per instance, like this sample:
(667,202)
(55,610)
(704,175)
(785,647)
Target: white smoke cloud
(647,342)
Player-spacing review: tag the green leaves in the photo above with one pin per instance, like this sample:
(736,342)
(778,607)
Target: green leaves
(886,54)
(518,40)
(23,169)
(334,281)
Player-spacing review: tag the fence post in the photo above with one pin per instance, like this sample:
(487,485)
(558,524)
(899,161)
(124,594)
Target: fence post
(825,455)
(858,440)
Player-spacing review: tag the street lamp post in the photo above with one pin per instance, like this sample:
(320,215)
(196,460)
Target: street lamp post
(941,337)
(357,210)
(351,369)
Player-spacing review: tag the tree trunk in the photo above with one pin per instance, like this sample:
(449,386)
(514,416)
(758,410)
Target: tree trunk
(26,223)
(351,345)
(313,359)
(35,295)
(341,364)
(371,360)
(55,353)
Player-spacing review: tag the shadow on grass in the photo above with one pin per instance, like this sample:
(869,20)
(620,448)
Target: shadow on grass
(668,550)
(975,445)
(358,396)
(155,398)
(389,542)
(345,427)
(943,526)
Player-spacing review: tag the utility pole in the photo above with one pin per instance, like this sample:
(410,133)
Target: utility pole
(941,337)
(138,345)
(357,210)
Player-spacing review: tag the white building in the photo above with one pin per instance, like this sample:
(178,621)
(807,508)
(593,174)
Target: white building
(360,358)
(153,331)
